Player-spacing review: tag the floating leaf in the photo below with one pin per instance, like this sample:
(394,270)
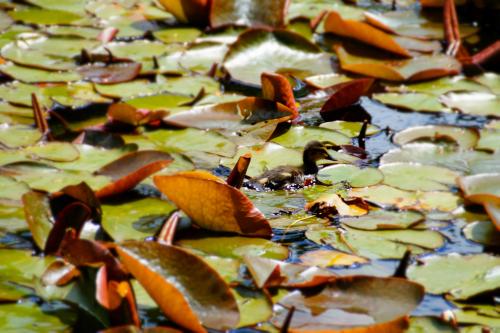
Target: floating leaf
(213,204)
(15,136)
(273,273)
(349,128)
(300,136)
(235,247)
(44,16)
(418,68)
(477,274)
(482,232)
(344,95)
(32,75)
(135,219)
(361,31)
(383,219)
(172,278)
(329,258)
(110,74)
(239,115)
(464,137)
(418,177)
(29,317)
(421,102)
(355,176)
(257,51)
(384,244)
(389,196)
(481,188)
(353,304)
(475,103)
(17,270)
(129,170)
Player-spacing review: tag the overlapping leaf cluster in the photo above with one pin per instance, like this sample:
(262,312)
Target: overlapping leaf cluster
(122,120)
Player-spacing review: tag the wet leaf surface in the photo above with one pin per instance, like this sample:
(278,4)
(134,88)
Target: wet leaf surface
(107,107)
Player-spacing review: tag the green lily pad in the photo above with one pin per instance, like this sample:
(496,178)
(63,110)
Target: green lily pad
(442,86)
(45,16)
(44,178)
(15,136)
(255,307)
(136,219)
(168,102)
(198,58)
(323,81)
(32,75)
(489,139)
(490,80)
(54,151)
(466,138)
(446,156)
(11,189)
(280,51)
(478,274)
(28,317)
(475,103)
(389,196)
(18,268)
(190,139)
(421,102)
(177,35)
(418,177)
(355,176)
(12,219)
(23,55)
(299,136)
(383,219)
(483,232)
(235,247)
(383,244)
(349,128)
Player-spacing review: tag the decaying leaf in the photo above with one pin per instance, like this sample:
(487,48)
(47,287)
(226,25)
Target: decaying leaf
(187,290)
(213,204)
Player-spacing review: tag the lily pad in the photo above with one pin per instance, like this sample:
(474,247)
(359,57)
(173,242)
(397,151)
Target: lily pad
(45,16)
(383,219)
(383,244)
(29,317)
(421,102)
(15,136)
(299,136)
(478,274)
(349,128)
(474,103)
(235,247)
(418,177)
(32,75)
(355,176)
(345,304)
(389,196)
(329,258)
(280,51)
(483,232)
(135,220)
(465,138)
(258,13)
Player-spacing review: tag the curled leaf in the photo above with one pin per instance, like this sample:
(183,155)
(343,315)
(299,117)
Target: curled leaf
(345,94)
(213,204)
(131,169)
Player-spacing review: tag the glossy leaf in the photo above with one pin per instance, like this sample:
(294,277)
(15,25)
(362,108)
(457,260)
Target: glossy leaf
(172,277)
(465,138)
(212,204)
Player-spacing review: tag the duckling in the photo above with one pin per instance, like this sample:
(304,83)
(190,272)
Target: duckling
(289,177)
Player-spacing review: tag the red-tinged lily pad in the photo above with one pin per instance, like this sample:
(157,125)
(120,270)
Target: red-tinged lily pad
(356,304)
(110,74)
(279,51)
(187,290)
(417,68)
(466,138)
(345,94)
(239,115)
(273,273)
(131,169)
(363,32)
(128,114)
(256,13)
(213,204)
